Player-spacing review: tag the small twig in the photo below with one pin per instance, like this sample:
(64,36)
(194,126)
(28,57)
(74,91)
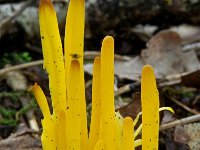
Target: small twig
(88,83)
(189,47)
(21,66)
(197,98)
(33,48)
(176,76)
(169,83)
(87,55)
(183,121)
(30,115)
(27,131)
(172,79)
(182,105)
(93,54)
(126,88)
(7,20)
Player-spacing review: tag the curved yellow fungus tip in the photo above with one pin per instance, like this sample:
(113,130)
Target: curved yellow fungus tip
(147,69)
(97,60)
(167,108)
(45,3)
(108,40)
(41,100)
(35,86)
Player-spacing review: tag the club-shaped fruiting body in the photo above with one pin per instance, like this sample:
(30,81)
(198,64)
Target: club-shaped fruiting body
(66,127)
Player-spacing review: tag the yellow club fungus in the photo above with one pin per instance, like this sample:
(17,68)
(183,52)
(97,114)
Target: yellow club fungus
(150,109)
(73,48)
(119,120)
(107,92)
(96,105)
(53,55)
(128,134)
(73,111)
(66,127)
(48,134)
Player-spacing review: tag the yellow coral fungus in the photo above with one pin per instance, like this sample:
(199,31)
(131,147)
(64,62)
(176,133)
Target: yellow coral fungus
(128,134)
(96,105)
(73,43)
(48,134)
(66,127)
(53,55)
(150,109)
(107,92)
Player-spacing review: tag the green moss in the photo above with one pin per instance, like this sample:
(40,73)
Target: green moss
(7,113)
(10,122)
(10,115)
(26,108)
(13,96)
(15,57)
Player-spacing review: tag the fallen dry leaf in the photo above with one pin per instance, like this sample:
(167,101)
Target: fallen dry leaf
(133,108)
(193,131)
(23,139)
(167,142)
(16,80)
(123,69)
(164,54)
(191,79)
(188,33)
(130,69)
(180,135)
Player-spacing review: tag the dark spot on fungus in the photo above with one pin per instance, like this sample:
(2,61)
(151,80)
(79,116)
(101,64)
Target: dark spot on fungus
(75,56)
